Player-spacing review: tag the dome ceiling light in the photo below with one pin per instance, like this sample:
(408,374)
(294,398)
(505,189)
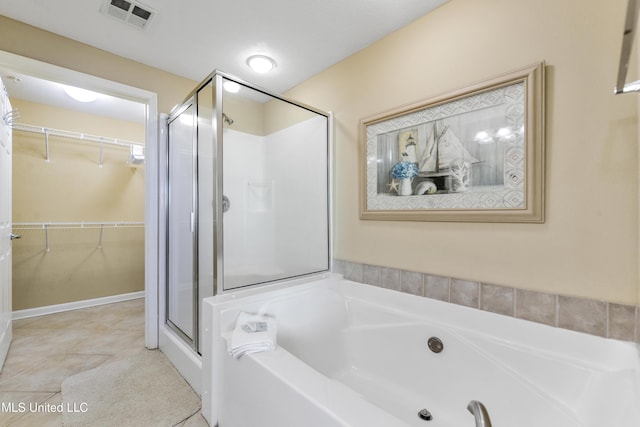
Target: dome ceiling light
(261,63)
(80,95)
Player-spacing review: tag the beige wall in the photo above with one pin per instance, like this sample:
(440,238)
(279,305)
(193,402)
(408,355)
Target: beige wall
(589,244)
(247,115)
(73,188)
(34,43)
(75,269)
(259,117)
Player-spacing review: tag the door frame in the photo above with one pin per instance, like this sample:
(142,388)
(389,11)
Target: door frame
(43,70)
(6,155)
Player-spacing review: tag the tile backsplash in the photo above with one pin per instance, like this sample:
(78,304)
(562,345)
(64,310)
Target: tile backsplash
(594,317)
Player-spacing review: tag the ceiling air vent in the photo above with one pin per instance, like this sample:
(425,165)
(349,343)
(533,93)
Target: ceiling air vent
(132,12)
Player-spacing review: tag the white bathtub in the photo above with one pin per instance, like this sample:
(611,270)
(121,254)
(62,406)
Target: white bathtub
(354,355)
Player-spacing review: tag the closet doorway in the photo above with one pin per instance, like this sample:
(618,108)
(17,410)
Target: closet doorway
(84,179)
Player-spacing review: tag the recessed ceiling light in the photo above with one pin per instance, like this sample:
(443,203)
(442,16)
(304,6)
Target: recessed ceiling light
(80,95)
(261,63)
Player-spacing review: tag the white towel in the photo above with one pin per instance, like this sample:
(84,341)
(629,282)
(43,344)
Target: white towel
(252,334)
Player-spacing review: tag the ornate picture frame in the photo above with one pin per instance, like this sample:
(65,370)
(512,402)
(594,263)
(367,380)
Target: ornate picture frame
(472,155)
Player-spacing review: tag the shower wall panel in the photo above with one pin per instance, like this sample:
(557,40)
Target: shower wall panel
(249,233)
(277,185)
(300,166)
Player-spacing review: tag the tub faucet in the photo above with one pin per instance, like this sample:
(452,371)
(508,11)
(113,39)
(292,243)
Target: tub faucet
(478,410)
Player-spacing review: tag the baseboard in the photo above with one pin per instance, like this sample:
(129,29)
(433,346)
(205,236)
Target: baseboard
(5,342)
(182,357)
(58,308)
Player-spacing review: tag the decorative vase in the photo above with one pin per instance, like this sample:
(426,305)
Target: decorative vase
(404,189)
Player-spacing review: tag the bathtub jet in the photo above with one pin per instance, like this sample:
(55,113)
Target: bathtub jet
(479,411)
(425,415)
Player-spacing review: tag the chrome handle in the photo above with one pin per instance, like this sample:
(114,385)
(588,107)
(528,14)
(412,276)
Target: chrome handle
(226,203)
(15,236)
(479,411)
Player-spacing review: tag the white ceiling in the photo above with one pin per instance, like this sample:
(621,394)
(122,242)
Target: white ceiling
(192,38)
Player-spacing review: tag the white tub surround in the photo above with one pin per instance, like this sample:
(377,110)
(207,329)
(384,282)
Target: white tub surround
(355,355)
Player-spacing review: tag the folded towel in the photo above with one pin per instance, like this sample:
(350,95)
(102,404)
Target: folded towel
(252,334)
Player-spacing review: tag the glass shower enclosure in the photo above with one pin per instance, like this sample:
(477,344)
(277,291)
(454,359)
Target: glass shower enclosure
(247,198)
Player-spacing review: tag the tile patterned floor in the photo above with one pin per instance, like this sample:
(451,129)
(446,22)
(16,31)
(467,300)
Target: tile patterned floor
(46,350)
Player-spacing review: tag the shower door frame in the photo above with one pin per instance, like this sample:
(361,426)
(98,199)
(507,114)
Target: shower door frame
(192,100)
(218,108)
(193,341)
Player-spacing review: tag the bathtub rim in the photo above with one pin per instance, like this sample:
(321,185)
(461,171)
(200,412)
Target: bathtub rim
(213,341)
(326,394)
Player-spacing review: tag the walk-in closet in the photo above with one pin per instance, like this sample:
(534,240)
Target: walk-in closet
(78,205)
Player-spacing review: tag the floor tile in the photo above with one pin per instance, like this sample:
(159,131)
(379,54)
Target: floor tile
(15,404)
(46,414)
(196,420)
(50,372)
(47,349)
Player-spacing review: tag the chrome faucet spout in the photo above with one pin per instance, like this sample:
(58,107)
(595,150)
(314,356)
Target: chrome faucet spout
(479,411)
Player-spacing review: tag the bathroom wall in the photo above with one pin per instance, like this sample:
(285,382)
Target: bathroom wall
(72,187)
(588,246)
(247,115)
(31,42)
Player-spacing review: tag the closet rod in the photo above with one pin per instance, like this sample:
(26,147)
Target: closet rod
(75,225)
(75,135)
(46,226)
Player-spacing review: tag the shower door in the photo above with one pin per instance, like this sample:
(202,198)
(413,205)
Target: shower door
(181,232)
(247,197)
(190,214)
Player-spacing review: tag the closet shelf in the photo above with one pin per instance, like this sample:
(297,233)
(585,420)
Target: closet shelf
(74,135)
(136,148)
